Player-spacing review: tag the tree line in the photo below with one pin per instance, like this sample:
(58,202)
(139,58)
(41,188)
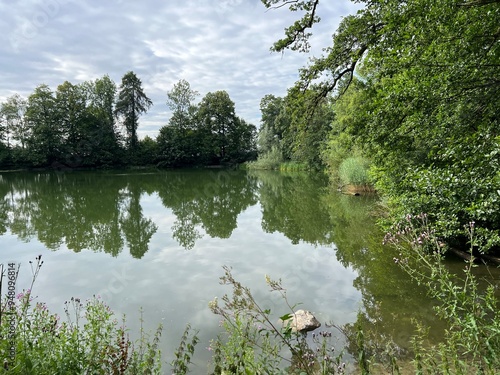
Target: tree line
(405,96)
(94,124)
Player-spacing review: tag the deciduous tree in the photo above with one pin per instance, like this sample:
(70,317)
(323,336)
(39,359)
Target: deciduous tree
(427,112)
(46,138)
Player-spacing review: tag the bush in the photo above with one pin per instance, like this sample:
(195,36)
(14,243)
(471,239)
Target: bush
(257,341)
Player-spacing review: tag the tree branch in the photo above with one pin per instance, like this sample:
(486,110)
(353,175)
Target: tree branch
(478,3)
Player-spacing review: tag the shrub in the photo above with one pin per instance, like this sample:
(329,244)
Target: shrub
(257,341)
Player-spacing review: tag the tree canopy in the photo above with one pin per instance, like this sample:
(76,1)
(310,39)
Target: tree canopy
(416,86)
(78,126)
(131,103)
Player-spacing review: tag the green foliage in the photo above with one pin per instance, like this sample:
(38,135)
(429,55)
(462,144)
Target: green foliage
(236,352)
(472,341)
(209,133)
(131,103)
(270,160)
(228,138)
(416,87)
(5,155)
(296,35)
(453,193)
(340,144)
(75,127)
(354,171)
(310,122)
(13,126)
(89,340)
(289,125)
(184,353)
(101,140)
(180,102)
(147,151)
(46,139)
(257,340)
(274,123)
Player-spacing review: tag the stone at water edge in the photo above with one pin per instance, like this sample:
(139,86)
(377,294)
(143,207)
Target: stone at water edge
(303,321)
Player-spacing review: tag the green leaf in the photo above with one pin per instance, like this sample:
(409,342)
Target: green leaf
(286,317)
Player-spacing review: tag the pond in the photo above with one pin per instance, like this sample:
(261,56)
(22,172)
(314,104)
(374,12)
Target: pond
(158,240)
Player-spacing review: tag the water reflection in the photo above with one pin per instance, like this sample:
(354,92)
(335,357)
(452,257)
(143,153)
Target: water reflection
(210,201)
(102,211)
(81,210)
(105,212)
(137,230)
(291,205)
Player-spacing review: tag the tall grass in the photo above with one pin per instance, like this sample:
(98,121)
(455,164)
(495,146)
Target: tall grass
(354,171)
(89,339)
(270,160)
(292,166)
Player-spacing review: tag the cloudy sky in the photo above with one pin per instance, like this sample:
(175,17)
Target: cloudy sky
(214,45)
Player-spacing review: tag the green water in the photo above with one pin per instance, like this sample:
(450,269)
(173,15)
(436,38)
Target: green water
(159,239)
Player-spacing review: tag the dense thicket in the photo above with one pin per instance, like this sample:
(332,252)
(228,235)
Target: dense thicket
(415,87)
(95,124)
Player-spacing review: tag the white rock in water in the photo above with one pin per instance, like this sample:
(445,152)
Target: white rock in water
(303,321)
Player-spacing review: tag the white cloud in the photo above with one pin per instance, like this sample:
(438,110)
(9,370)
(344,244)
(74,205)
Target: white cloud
(221,45)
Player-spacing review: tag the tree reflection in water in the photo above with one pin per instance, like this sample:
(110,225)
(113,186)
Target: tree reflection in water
(104,212)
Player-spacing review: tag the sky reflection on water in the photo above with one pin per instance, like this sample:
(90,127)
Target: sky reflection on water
(321,244)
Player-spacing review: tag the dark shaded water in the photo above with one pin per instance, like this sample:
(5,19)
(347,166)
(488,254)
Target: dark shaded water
(158,240)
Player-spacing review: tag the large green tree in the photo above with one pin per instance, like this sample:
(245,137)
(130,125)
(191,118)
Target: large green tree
(180,100)
(290,128)
(179,140)
(131,103)
(71,109)
(46,141)
(12,112)
(229,138)
(427,110)
(274,122)
(218,118)
(105,141)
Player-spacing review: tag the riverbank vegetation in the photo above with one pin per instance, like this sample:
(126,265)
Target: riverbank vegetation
(256,336)
(89,339)
(410,89)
